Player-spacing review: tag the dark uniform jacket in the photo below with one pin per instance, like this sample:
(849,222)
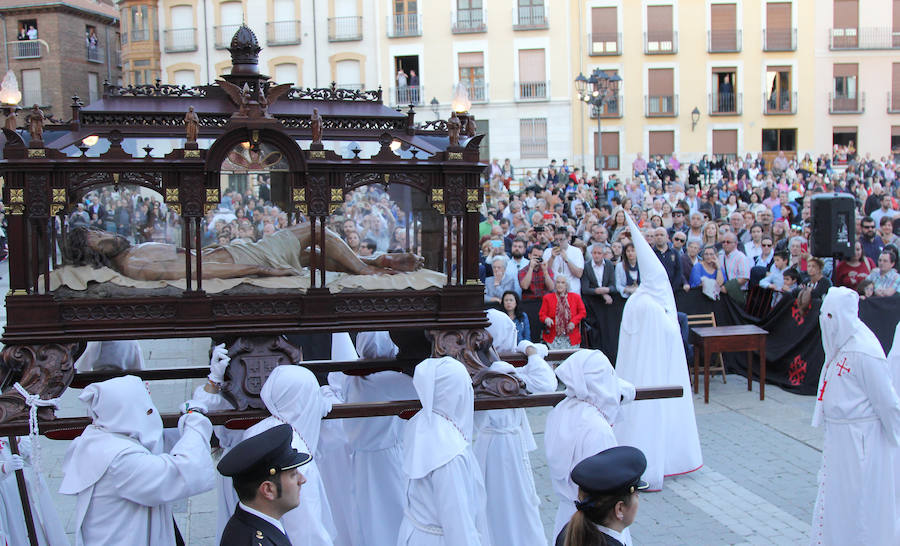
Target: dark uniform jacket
(608,540)
(245,529)
(589,280)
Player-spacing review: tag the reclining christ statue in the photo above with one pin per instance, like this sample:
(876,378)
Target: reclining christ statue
(281,254)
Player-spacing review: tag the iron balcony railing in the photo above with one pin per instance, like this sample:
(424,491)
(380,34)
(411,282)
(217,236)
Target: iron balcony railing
(224,34)
(609,43)
(893,103)
(403,25)
(402,96)
(25,49)
(145,34)
(95,54)
(280,33)
(660,106)
(532,91)
(611,108)
(723,41)
(661,45)
(466,21)
(345,29)
(864,38)
(842,104)
(179,40)
(780,103)
(530,18)
(478,91)
(725,104)
(779,39)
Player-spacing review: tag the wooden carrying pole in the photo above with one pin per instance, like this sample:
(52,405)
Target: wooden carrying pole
(23,493)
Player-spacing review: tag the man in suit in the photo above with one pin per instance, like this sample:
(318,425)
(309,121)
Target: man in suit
(599,277)
(265,472)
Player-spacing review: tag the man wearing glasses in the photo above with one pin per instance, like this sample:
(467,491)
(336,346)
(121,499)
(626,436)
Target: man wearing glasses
(735,268)
(679,239)
(872,244)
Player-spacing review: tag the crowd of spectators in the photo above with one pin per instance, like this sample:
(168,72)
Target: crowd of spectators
(727,226)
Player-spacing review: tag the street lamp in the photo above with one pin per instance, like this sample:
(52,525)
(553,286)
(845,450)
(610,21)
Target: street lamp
(435,107)
(10,96)
(597,90)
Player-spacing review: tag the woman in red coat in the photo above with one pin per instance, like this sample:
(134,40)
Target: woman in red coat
(561,313)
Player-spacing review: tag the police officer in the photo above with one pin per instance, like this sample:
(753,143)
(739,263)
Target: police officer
(266,476)
(608,485)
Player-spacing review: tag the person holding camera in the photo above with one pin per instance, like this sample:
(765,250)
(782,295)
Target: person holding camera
(565,260)
(536,280)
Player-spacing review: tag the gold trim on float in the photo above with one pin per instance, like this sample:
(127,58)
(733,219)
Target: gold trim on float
(302,208)
(455,156)
(299,194)
(55,208)
(337,194)
(175,207)
(17,292)
(473,282)
(59,195)
(16,195)
(171,195)
(317,154)
(37,152)
(212,194)
(333,207)
(192,154)
(210,207)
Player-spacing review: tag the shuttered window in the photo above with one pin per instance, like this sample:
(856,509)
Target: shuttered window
(660,85)
(779,33)
(659,23)
(286,73)
(610,158)
(604,31)
(725,142)
(896,26)
(662,143)
(471,73)
(532,74)
(844,96)
(895,87)
(723,27)
(533,137)
(846,23)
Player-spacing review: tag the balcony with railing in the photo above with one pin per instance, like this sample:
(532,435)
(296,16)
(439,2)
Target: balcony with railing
(530,18)
(723,41)
(725,104)
(609,43)
(893,103)
(779,39)
(532,91)
(468,21)
(224,34)
(25,49)
(610,109)
(660,44)
(660,106)
(345,29)
(843,104)
(478,91)
(279,33)
(95,54)
(864,38)
(404,25)
(180,40)
(410,94)
(145,34)
(783,103)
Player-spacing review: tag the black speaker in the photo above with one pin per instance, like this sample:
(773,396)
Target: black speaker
(833,225)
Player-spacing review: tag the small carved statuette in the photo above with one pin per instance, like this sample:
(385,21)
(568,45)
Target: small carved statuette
(470,126)
(453,128)
(315,125)
(191,125)
(35,120)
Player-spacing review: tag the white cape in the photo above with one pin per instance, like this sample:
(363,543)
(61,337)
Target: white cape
(651,352)
(47,525)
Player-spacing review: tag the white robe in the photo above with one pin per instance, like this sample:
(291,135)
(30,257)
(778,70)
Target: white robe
(333,459)
(447,507)
(310,524)
(856,501)
(48,527)
(131,502)
(894,370)
(502,442)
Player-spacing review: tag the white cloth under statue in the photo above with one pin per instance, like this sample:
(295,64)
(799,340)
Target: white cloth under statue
(124,482)
(856,501)
(503,439)
(445,500)
(291,394)
(651,352)
(47,525)
(581,425)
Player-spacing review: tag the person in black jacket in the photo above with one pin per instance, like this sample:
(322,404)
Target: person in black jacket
(608,485)
(265,473)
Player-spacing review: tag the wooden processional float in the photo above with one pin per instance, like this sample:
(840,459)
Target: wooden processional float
(206,140)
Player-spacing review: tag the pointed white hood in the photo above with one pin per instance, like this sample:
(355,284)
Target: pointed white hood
(654,280)
(291,394)
(503,331)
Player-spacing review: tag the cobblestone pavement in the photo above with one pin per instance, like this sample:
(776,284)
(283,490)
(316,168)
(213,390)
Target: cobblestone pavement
(757,485)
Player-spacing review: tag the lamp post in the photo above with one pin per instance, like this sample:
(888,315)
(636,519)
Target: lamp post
(10,96)
(435,107)
(597,90)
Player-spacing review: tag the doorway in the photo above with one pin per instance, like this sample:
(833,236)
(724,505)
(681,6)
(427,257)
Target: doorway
(408,90)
